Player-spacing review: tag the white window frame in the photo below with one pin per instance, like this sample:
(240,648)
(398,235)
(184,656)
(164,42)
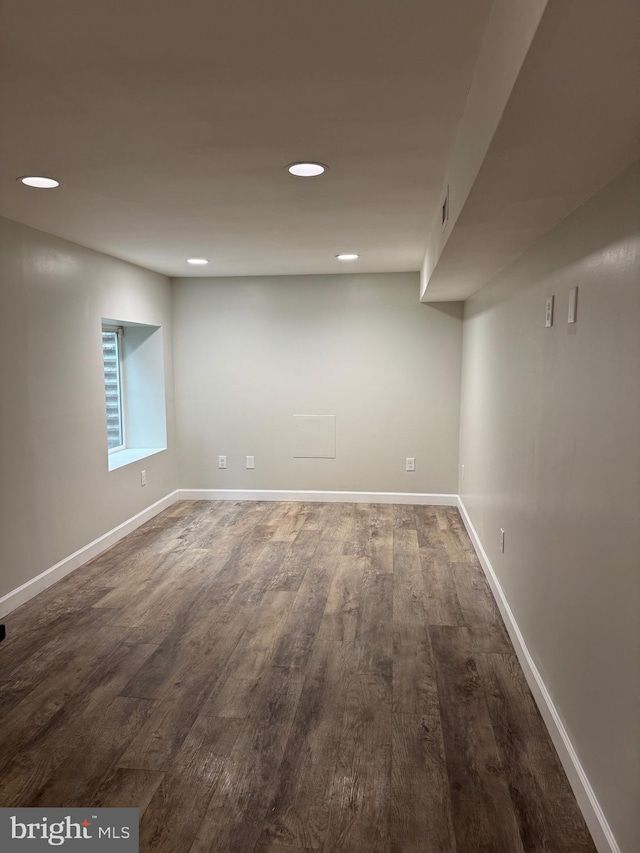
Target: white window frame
(119,330)
(142,392)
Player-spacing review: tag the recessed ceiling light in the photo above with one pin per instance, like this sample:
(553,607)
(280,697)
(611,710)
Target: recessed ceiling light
(306,170)
(347,257)
(40,182)
(197,262)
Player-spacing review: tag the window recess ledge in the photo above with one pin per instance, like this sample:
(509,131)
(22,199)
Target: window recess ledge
(120,458)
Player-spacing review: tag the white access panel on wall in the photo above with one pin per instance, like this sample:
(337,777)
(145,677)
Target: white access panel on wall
(314,436)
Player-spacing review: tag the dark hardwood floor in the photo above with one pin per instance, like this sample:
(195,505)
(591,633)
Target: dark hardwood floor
(284,677)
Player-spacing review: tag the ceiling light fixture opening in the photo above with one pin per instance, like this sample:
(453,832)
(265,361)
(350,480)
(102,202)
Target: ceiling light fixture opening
(347,256)
(197,262)
(39,181)
(306,170)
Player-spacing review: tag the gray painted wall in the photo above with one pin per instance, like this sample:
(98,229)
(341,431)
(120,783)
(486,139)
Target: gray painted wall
(56,494)
(250,353)
(550,441)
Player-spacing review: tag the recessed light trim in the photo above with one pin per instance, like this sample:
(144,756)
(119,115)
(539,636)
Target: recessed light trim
(306,169)
(197,262)
(345,257)
(39,182)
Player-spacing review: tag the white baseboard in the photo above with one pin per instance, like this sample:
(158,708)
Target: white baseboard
(315,497)
(55,573)
(600,830)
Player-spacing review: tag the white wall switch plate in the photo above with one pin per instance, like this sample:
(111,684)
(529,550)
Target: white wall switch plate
(411,463)
(548,319)
(222,461)
(251,461)
(502,540)
(573,305)
(143,478)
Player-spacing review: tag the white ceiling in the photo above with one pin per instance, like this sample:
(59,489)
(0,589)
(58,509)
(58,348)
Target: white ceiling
(170,124)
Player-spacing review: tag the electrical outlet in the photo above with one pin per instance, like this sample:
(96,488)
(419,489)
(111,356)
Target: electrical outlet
(251,461)
(222,461)
(143,478)
(501,540)
(411,463)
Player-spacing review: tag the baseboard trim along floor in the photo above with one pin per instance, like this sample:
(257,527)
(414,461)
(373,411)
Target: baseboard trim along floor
(314,496)
(599,828)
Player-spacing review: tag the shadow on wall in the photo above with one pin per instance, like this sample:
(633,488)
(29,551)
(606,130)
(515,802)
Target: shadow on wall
(451,309)
(567,241)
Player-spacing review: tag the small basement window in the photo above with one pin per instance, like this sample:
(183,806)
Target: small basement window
(135,410)
(112,366)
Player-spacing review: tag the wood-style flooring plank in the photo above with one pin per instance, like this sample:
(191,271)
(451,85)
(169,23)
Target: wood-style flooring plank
(476,602)
(289,575)
(547,814)
(298,813)
(483,816)
(197,648)
(359,793)
(307,609)
(379,546)
(374,628)
(358,536)
(452,542)
(235,690)
(340,617)
(39,654)
(258,576)
(490,638)
(404,516)
(127,789)
(200,642)
(90,747)
(419,777)
(158,741)
(291,522)
(441,598)
(242,794)
(414,683)
(158,599)
(317,516)
(179,803)
(340,523)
